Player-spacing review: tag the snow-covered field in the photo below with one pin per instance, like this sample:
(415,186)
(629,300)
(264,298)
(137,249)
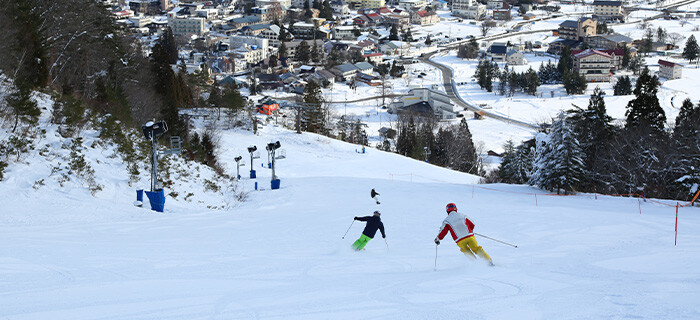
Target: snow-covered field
(281,255)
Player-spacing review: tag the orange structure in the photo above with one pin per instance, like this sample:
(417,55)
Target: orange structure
(268,107)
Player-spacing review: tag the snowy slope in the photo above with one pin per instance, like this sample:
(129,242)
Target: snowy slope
(280,254)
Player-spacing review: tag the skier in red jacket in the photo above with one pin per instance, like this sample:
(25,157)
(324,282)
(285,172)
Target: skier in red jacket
(462,230)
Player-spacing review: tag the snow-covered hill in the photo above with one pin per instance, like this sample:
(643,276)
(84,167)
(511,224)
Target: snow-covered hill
(280,255)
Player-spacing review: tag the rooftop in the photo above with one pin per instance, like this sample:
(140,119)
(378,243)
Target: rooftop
(607,3)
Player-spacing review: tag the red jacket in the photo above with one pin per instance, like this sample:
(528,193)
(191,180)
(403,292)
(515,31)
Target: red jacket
(458,225)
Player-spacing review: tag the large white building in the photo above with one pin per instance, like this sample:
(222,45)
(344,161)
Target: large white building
(186,25)
(252,50)
(469,9)
(424,100)
(410,4)
(608,10)
(670,70)
(286,4)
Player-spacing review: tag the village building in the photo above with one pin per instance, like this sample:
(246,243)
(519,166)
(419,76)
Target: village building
(608,10)
(609,41)
(182,25)
(577,29)
(424,18)
(594,65)
(515,58)
(670,70)
(425,101)
(469,9)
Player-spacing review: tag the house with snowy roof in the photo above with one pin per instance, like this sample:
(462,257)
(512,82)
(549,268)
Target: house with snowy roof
(670,70)
(424,18)
(594,65)
(515,58)
(424,101)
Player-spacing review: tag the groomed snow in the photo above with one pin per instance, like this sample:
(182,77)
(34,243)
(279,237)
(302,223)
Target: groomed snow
(280,254)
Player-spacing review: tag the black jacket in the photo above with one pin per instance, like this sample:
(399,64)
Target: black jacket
(373,223)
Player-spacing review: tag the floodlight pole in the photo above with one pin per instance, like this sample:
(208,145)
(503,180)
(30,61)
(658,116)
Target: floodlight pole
(154,158)
(238,167)
(274,177)
(252,150)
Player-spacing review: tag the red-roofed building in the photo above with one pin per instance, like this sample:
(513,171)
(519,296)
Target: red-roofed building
(616,54)
(374,57)
(124,14)
(375,18)
(595,65)
(423,17)
(670,70)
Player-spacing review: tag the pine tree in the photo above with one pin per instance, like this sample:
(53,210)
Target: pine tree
(645,110)
(283,34)
(443,140)
(593,130)
(313,99)
(503,81)
(522,165)
(272,61)
(687,110)
(31,70)
(623,86)
(686,134)
(691,50)
(566,62)
(561,166)
(172,88)
(282,50)
(314,55)
(326,10)
(626,57)
(574,82)
(531,82)
(394,33)
(505,168)
(462,154)
(167,40)
(407,135)
(636,64)
(302,53)
(647,42)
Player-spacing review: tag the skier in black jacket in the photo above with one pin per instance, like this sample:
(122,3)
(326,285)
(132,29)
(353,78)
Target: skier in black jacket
(374,222)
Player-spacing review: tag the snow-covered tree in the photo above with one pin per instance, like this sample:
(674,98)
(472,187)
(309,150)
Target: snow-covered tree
(645,110)
(559,160)
(691,50)
(516,165)
(686,134)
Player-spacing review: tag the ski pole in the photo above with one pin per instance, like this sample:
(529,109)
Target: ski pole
(346,232)
(387,245)
(503,242)
(435,257)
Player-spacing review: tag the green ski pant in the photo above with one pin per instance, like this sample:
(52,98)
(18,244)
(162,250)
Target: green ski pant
(361,243)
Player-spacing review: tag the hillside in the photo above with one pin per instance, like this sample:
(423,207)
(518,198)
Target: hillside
(280,254)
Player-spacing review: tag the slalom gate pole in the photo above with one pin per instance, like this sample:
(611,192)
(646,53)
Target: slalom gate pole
(675,241)
(346,232)
(435,257)
(503,242)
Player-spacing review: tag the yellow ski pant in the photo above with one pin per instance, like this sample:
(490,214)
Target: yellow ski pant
(469,247)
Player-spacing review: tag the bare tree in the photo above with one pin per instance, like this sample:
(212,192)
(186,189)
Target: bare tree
(643,25)
(486,26)
(674,38)
(384,88)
